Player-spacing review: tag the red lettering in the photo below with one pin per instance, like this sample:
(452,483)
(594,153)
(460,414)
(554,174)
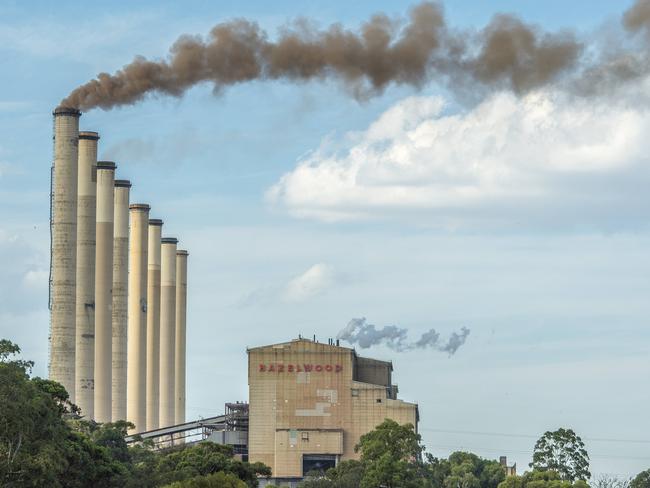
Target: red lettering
(308,367)
(319,368)
(280,368)
(298,368)
(338,368)
(262,368)
(290,368)
(328,367)
(272,368)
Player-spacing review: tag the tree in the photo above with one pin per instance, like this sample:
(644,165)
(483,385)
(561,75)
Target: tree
(467,470)
(389,454)
(203,459)
(641,480)
(37,445)
(607,481)
(43,442)
(540,479)
(564,452)
(215,480)
(348,474)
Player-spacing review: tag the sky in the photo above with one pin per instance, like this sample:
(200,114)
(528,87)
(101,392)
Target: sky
(522,218)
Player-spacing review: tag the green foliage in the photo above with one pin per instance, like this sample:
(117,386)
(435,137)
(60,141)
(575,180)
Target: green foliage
(37,445)
(44,443)
(564,452)
(541,479)
(389,454)
(641,480)
(390,457)
(216,480)
(159,469)
(610,481)
(467,470)
(347,474)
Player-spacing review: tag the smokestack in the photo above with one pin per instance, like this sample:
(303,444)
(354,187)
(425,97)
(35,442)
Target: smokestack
(120,297)
(85,274)
(153,324)
(137,313)
(63,257)
(167,329)
(181,321)
(103,293)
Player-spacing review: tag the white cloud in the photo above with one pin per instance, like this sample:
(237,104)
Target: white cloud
(506,154)
(316,280)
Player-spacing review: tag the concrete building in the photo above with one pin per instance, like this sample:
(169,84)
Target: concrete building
(508,470)
(311,402)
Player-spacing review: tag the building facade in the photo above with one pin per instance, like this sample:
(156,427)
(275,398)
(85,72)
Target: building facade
(311,402)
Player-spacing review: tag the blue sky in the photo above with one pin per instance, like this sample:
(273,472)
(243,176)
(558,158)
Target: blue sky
(551,273)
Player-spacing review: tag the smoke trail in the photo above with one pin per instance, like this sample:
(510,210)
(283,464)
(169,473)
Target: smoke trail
(506,54)
(365,335)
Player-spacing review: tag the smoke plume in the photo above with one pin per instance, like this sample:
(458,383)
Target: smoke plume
(366,335)
(507,53)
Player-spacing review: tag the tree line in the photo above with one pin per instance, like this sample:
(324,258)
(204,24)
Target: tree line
(44,442)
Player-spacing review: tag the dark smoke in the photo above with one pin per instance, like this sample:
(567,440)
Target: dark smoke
(506,54)
(638,16)
(366,335)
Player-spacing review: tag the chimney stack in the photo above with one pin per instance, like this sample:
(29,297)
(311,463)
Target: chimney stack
(103,293)
(137,313)
(180,342)
(85,274)
(153,325)
(63,258)
(167,329)
(120,298)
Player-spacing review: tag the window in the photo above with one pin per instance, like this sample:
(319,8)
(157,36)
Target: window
(378,400)
(355,392)
(304,436)
(317,463)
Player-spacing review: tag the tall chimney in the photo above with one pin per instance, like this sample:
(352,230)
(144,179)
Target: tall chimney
(153,325)
(120,298)
(180,343)
(85,274)
(167,329)
(103,294)
(137,313)
(63,258)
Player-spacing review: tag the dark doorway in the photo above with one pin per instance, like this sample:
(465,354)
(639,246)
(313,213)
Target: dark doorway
(318,463)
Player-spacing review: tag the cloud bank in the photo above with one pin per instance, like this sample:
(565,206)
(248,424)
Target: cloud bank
(541,154)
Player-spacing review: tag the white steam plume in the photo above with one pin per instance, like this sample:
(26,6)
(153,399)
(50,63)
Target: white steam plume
(366,335)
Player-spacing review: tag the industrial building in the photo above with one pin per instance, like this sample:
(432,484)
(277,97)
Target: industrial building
(311,402)
(118,291)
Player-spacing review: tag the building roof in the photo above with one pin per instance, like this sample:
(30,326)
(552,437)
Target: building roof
(321,346)
(302,341)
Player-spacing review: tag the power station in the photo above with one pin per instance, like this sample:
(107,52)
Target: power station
(118,301)
(118,291)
